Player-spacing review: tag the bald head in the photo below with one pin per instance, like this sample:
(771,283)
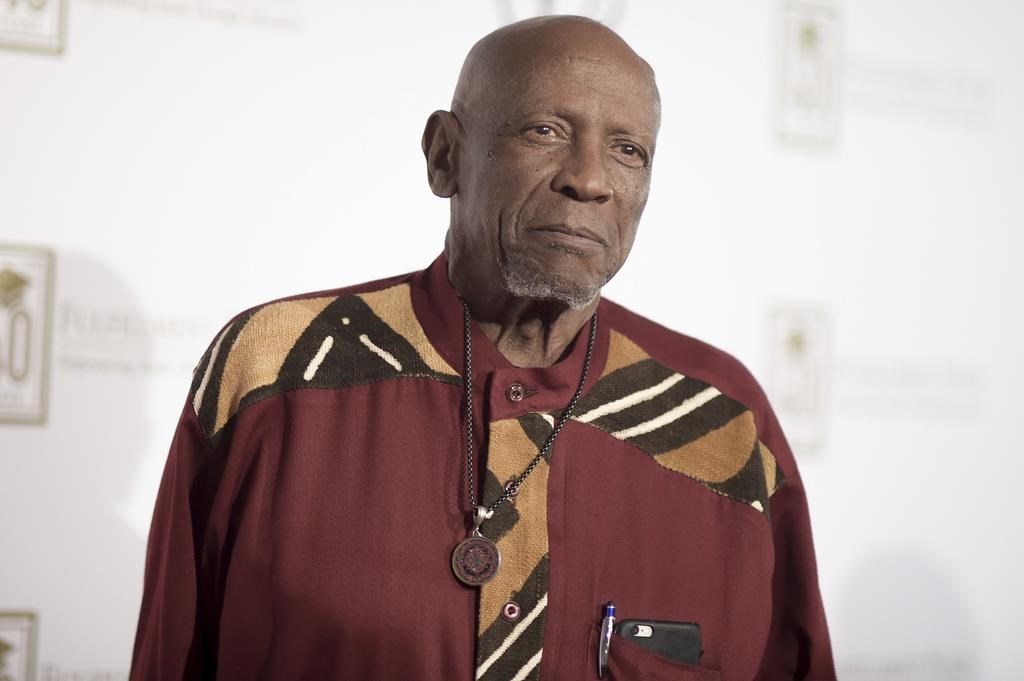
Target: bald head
(515,56)
(546,156)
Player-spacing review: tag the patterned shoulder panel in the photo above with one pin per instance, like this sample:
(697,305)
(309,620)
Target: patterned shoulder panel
(686,425)
(323,342)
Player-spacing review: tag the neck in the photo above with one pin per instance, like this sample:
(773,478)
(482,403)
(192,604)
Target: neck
(528,332)
(532,333)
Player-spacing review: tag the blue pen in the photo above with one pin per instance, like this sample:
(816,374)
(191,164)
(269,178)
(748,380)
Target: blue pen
(605,642)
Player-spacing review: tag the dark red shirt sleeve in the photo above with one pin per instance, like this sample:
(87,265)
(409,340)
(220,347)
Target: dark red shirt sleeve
(798,645)
(168,644)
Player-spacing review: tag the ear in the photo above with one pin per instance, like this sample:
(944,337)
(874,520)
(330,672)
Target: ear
(440,147)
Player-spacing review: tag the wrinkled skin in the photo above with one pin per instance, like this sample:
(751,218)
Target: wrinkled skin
(546,156)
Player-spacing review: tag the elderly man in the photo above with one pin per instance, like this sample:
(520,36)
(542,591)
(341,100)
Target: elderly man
(449,474)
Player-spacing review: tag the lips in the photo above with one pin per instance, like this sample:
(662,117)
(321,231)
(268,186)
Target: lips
(575,233)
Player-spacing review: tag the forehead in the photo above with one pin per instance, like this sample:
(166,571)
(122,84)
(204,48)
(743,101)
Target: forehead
(617,91)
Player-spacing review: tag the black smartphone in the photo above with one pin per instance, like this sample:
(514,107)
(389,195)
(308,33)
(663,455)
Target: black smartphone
(679,641)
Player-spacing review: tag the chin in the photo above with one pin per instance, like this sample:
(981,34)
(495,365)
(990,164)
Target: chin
(526,277)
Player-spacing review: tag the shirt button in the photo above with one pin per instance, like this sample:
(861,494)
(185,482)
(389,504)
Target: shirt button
(510,611)
(515,392)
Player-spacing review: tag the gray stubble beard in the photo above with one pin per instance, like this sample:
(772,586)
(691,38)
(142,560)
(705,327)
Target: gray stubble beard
(524,279)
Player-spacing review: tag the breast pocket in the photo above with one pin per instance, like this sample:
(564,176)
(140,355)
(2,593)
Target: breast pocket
(629,662)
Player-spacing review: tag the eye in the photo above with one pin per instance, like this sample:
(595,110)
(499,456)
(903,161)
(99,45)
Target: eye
(547,132)
(543,132)
(632,155)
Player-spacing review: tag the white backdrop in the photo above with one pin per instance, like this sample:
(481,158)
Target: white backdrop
(185,159)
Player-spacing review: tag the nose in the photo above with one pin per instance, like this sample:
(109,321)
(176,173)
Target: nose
(583,176)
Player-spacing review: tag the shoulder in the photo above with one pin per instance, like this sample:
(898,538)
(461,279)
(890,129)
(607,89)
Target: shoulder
(691,406)
(302,341)
(690,357)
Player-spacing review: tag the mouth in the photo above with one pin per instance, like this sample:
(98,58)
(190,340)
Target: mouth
(571,235)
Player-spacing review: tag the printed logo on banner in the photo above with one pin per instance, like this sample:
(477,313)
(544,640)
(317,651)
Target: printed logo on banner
(800,349)
(17,646)
(51,672)
(608,12)
(950,96)
(32,24)
(26,289)
(271,14)
(811,71)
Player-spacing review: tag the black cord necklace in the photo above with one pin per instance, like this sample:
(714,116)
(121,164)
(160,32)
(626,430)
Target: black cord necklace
(476,559)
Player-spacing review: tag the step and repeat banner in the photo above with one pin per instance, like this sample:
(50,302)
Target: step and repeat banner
(836,197)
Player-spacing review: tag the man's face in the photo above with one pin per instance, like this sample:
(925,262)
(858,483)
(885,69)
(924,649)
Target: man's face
(555,174)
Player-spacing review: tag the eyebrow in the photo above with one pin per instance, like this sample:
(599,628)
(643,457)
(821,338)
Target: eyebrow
(617,128)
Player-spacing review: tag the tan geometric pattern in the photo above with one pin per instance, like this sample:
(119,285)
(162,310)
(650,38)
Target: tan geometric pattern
(259,351)
(686,425)
(508,649)
(326,342)
(394,307)
(714,457)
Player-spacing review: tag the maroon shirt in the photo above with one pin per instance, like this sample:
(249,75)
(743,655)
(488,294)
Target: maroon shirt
(316,487)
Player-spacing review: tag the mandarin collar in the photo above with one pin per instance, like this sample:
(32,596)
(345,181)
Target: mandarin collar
(439,312)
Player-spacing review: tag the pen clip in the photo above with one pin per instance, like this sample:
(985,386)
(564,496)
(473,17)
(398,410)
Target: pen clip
(605,641)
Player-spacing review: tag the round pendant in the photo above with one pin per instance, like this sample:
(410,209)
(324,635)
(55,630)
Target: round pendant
(475,560)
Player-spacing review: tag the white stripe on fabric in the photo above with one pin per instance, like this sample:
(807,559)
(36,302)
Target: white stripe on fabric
(630,400)
(197,401)
(528,667)
(380,352)
(516,633)
(674,414)
(318,358)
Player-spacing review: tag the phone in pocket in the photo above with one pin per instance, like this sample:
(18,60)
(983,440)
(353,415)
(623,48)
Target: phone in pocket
(679,641)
